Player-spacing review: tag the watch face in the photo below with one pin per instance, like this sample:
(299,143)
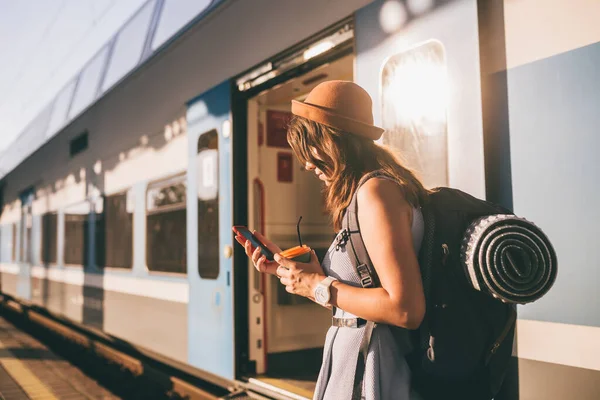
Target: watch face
(321,295)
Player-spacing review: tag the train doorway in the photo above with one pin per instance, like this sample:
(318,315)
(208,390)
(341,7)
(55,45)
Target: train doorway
(285,333)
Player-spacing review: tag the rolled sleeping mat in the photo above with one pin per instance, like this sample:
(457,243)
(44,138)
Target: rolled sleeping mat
(509,258)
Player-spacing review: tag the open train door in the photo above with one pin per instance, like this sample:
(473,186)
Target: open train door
(209,238)
(420,62)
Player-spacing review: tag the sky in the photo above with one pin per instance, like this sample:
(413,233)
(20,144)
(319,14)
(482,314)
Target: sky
(43,44)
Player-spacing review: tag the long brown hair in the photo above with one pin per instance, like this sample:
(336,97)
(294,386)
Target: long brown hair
(345,158)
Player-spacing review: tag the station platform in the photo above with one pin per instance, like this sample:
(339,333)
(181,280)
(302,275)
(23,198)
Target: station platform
(29,370)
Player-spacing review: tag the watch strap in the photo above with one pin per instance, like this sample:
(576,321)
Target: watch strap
(325,284)
(327,281)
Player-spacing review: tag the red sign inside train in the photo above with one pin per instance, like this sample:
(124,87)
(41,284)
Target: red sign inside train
(285,167)
(277,123)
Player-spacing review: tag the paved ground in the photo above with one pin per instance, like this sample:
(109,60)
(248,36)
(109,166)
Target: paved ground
(29,370)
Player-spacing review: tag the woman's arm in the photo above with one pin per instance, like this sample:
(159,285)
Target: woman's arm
(385,224)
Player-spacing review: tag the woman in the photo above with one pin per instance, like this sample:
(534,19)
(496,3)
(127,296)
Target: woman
(333,135)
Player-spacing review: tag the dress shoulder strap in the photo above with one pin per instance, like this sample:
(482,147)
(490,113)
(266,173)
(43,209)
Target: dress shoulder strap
(373,174)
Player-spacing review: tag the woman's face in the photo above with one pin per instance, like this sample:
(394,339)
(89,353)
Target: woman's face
(312,167)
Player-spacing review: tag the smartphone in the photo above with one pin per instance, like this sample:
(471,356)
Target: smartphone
(245,232)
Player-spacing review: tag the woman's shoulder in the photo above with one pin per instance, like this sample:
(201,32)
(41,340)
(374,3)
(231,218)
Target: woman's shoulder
(380,188)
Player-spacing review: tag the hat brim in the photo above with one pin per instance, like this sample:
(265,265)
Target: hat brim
(326,117)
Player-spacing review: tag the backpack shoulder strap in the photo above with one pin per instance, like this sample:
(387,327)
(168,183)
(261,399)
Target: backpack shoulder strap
(351,231)
(368,277)
(362,263)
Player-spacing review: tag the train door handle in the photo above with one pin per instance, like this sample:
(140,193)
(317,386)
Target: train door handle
(227,251)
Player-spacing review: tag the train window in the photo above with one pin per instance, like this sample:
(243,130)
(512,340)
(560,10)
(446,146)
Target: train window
(414,105)
(174,15)
(129,45)
(49,232)
(114,224)
(166,225)
(208,205)
(88,84)
(76,233)
(60,109)
(78,144)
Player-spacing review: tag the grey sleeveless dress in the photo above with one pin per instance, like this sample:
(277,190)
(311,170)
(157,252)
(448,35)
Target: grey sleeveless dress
(387,375)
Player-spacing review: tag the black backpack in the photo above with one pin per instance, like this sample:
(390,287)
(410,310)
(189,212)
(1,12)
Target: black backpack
(463,347)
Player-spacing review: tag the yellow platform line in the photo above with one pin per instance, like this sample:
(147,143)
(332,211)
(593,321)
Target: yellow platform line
(31,385)
(290,387)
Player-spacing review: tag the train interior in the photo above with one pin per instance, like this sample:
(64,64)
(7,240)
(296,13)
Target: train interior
(287,332)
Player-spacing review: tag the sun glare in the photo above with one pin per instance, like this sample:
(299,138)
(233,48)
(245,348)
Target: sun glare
(416,89)
(415,94)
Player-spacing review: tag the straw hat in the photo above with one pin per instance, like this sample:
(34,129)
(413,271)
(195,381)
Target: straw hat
(340,104)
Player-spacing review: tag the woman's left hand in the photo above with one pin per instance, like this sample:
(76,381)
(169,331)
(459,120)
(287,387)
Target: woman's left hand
(300,278)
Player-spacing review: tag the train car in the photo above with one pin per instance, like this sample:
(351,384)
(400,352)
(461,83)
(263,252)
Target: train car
(175,131)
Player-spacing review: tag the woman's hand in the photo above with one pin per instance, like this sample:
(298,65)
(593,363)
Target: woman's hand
(300,278)
(260,262)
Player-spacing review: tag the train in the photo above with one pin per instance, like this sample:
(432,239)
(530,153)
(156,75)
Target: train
(119,218)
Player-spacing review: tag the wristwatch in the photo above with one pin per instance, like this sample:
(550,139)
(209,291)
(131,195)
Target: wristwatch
(322,294)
